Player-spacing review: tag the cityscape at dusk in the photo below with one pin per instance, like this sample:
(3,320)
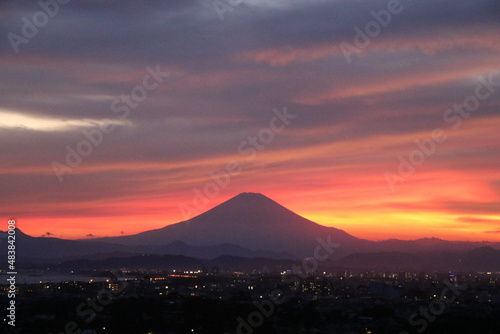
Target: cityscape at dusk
(250,166)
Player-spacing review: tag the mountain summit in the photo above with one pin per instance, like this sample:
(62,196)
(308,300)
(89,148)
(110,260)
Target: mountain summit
(253,225)
(249,220)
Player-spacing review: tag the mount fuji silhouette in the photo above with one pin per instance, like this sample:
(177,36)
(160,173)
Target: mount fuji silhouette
(251,226)
(252,221)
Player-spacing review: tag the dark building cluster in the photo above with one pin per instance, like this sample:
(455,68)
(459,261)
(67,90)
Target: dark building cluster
(217,301)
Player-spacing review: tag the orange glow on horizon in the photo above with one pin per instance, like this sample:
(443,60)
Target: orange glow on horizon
(376,222)
(337,190)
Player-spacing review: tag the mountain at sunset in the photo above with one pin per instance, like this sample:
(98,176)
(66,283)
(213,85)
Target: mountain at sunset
(252,221)
(261,166)
(255,222)
(249,225)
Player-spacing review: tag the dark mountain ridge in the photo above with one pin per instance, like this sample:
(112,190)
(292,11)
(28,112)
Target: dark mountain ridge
(251,221)
(253,226)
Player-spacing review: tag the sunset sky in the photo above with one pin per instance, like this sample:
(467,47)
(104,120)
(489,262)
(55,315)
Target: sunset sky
(376,117)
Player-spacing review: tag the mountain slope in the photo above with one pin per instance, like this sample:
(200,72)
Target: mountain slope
(248,225)
(251,221)
(479,259)
(28,247)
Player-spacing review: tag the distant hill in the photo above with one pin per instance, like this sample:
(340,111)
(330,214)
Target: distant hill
(482,259)
(251,226)
(251,221)
(431,244)
(54,249)
(211,252)
(47,248)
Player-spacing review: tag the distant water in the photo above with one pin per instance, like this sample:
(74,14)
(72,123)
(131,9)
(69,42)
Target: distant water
(30,279)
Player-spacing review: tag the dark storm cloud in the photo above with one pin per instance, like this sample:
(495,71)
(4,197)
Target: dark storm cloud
(193,33)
